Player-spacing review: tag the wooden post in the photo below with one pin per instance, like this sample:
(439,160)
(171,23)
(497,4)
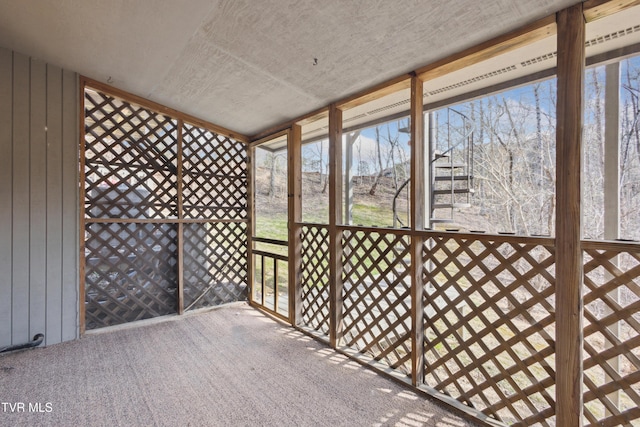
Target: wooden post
(335,218)
(612,193)
(295,217)
(569,303)
(417,224)
(251,223)
(180,222)
(612,152)
(82,316)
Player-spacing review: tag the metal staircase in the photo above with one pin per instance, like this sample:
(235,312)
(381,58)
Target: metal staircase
(451,167)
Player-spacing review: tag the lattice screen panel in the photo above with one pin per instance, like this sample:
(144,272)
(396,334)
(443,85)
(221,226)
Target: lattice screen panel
(315,278)
(130,272)
(215,175)
(612,334)
(215,264)
(376,296)
(133,172)
(489,326)
(130,160)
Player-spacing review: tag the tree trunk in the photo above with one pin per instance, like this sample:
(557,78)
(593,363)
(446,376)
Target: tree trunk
(320,165)
(372,191)
(272,178)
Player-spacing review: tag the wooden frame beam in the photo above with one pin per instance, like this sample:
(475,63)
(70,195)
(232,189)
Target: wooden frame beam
(129,97)
(596,9)
(417,197)
(569,263)
(302,120)
(251,225)
(255,143)
(335,219)
(538,30)
(295,217)
(376,92)
(180,308)
(82,262)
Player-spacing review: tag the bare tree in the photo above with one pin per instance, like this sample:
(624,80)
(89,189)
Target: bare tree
(372,191)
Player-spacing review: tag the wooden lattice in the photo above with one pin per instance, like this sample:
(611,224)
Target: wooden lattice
(376,297)
(133,172)
(612,334)
(130,160)
(489,325)
(215,175)
(315,278)
(130,272)
(215,264)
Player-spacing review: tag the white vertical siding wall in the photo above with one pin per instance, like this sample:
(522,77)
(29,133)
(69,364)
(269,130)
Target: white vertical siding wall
(38,201)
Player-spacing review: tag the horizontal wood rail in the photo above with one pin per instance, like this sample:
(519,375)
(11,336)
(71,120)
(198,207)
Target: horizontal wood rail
(266,254)
(160,220)
(613,245)
(269,241)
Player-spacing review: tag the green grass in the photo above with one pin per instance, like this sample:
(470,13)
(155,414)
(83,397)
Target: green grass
(368,215)
(272,227)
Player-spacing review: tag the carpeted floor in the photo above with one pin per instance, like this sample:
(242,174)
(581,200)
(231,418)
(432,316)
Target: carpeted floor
(227,367)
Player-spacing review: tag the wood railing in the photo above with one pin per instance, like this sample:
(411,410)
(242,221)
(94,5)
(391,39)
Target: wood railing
(270,287)
(488,316)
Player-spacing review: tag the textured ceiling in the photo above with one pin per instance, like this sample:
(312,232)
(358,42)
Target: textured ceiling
(248,65)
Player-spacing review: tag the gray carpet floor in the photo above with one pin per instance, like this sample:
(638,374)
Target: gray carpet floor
(227,367)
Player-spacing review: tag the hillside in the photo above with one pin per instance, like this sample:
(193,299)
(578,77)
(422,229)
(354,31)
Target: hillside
(368,210)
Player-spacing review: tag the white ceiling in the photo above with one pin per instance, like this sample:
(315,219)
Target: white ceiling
(250,64)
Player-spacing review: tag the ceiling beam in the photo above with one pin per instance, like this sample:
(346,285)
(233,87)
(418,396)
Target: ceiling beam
(531,33)
(376,92)
(305,119)
(279,134)
(596,9)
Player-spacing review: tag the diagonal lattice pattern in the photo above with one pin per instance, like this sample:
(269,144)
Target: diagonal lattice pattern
(215,175)
(315,278)
(489,325)
(133,171)
(215,264)
(130,272)
(376,296)
(130,160)
(611,334)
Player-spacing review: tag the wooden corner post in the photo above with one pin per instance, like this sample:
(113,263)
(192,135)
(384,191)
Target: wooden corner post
(180,301)
(335,218)
(82,310)
(295,218)
(417,224)
(569,304)
(251,223)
